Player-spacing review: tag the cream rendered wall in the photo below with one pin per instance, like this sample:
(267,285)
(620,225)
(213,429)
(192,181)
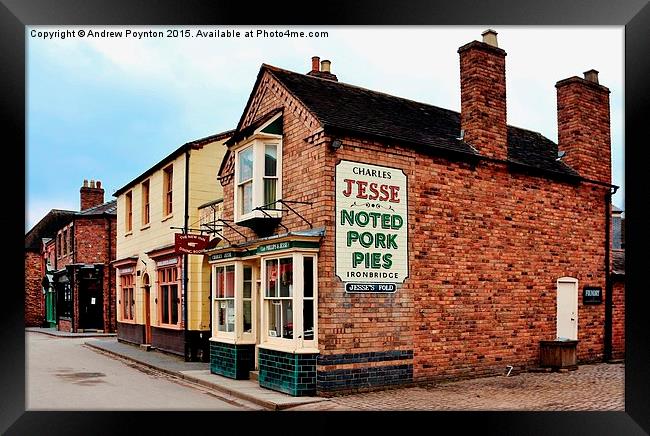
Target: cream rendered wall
(204,187)
(154,235)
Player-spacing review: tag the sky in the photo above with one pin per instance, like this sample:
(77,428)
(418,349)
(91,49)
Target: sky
(109,108)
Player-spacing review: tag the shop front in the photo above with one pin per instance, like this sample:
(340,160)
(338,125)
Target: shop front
(264,311)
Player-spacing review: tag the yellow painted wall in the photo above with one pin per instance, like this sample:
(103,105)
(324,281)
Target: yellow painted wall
(203,188)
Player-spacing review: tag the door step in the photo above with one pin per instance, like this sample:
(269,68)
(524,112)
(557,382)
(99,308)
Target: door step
(253,375)
(145,347)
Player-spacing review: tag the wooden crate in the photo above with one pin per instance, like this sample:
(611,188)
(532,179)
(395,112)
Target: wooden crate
(558,354)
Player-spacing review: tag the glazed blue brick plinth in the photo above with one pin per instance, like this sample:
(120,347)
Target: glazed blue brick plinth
(230,360)
(293,374)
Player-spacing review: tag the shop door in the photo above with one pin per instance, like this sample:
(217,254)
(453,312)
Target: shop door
(567,308)
(90,305)
(50,307)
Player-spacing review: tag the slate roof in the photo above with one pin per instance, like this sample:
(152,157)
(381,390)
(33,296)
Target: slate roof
(354,109)
(108,208)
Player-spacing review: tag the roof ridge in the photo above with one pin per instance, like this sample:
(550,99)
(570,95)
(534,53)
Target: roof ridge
(274,68)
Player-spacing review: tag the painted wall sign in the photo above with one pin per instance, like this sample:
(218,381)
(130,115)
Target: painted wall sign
(190,243)
(221,256)
(371,287)
(167,262)
(128,270)
(274,247)
(371,223)
(592,295)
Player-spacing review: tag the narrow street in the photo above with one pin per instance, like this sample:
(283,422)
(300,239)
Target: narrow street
(63,374)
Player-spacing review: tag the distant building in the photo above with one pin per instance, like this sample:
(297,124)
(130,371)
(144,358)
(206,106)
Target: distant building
(68,279)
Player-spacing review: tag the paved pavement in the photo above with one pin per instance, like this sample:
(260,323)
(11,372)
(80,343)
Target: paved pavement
(590,387)
(199,373)
(54,332)
(63,374)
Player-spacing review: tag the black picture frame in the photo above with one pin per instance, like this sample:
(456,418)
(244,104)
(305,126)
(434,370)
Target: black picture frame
(633,14)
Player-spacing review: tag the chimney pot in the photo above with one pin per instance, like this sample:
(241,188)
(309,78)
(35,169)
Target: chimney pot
(98,184)
(85,183)
(591,75)
(490,37)
(315,63)
(325,66)
(92,183)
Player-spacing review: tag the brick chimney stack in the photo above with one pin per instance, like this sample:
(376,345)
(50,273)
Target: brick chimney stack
(91,194)
(583,127)
(483,96)
(321,69)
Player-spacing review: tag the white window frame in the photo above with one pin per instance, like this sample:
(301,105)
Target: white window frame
(297,343)
(238,336)
(258,141)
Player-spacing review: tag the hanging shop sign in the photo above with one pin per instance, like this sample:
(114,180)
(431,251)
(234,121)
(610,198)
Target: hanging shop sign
(189,243)
(592,295)
(371,225)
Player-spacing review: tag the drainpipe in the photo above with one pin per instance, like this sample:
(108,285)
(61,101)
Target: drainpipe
(607,352)
(187,218)
(108,268)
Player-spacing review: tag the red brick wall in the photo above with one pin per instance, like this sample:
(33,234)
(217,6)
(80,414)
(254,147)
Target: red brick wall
(64,325)
(618,319)
(583,127)
(34,302)
(92,246)
(483,98)
(486,247)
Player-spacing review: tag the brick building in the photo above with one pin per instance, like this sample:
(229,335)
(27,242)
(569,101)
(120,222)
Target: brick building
(618,283)
(68,279)
(386,242)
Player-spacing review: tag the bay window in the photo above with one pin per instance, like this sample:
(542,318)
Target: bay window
(225,296)
(289,292)
(258,170)
(234,302)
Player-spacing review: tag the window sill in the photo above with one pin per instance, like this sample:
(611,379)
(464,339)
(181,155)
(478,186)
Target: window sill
(127,321)
(169,326)
(232,341)
(288,348)
(145,227)
(165,218)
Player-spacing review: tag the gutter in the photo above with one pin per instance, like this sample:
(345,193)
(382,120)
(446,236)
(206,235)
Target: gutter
(108,265)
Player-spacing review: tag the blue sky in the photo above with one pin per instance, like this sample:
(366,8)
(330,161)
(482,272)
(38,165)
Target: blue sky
(109,108)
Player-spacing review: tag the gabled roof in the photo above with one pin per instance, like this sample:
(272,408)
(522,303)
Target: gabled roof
(47,228)
(196,144)
(349,108)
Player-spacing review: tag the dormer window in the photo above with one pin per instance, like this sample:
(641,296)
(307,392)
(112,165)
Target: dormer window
(258,176)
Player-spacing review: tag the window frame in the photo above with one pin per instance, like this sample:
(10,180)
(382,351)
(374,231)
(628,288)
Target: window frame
(162,283)
(128,218)
(168,191)
(238,335)
(127,306)
(258,141)
(145,187)
(297,342)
